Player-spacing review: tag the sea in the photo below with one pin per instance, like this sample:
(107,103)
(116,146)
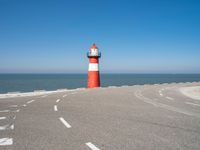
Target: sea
(50,82)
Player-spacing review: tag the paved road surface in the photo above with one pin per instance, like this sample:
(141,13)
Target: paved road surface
(150,117)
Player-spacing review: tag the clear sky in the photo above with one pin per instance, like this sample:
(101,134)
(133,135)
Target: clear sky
(134,36)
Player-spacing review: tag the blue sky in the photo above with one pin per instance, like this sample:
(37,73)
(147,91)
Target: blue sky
(134,36)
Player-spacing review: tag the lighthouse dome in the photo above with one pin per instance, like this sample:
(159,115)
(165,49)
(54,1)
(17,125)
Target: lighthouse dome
(94,46)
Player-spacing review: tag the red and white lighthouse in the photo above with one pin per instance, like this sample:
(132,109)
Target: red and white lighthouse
(93,70)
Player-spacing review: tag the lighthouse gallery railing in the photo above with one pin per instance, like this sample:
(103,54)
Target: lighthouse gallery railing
(91,54)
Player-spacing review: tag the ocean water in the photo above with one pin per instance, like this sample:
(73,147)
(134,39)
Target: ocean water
(31,82)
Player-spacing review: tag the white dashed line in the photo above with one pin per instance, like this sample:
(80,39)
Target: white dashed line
(13,106)
(30,101)
(1,111)
(17,110)
(55,108)
(2,118)
(24,105)
(92,146)
(12,127)
(169,98)
(65,122)
(44,96)
(192,104)
(160,92)
(65,95)
(7,127)
(3,127)
(58,100)
(4,110)
(6,141)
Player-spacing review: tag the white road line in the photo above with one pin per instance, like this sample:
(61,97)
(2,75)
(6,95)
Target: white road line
(24,105)
(65,122)
(30,101)
(65,95)
(55,108)
(139,95)
(13,106)
(160,92)
(2,118)
(58,100)
(192,104)
(9,111)
(6,141)
(4,110)
(17,110)
(44,96)
(92,146)
(170,98)
(7,127)
(12,127)
(3,127)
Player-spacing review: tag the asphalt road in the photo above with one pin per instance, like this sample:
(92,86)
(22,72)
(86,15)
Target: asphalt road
(149,117)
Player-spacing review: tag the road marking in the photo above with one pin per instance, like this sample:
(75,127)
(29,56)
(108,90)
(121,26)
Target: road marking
(1,118)
(192,104)
(10,111)
(92,146)
(6,141)
(170,98)
(58,100)
(65,122)
(160,92)
(17,110)
(12,127)
(44,96)
(30,101)
(139,95)
(24,105)
(65,95)
(7,127)
(13,106)
(4,110)
(55,108)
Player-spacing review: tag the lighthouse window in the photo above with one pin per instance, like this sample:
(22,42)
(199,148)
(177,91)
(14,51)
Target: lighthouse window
(94,52)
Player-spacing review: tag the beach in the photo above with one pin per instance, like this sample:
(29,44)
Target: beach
(154,117)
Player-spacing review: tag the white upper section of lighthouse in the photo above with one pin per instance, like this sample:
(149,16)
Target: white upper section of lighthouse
(94,52)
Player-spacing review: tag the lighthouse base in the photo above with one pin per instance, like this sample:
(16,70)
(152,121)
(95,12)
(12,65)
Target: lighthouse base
(93,79)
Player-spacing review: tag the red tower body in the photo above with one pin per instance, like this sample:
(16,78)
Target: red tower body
(93,69)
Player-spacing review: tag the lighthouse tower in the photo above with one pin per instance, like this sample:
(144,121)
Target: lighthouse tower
(93,70)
